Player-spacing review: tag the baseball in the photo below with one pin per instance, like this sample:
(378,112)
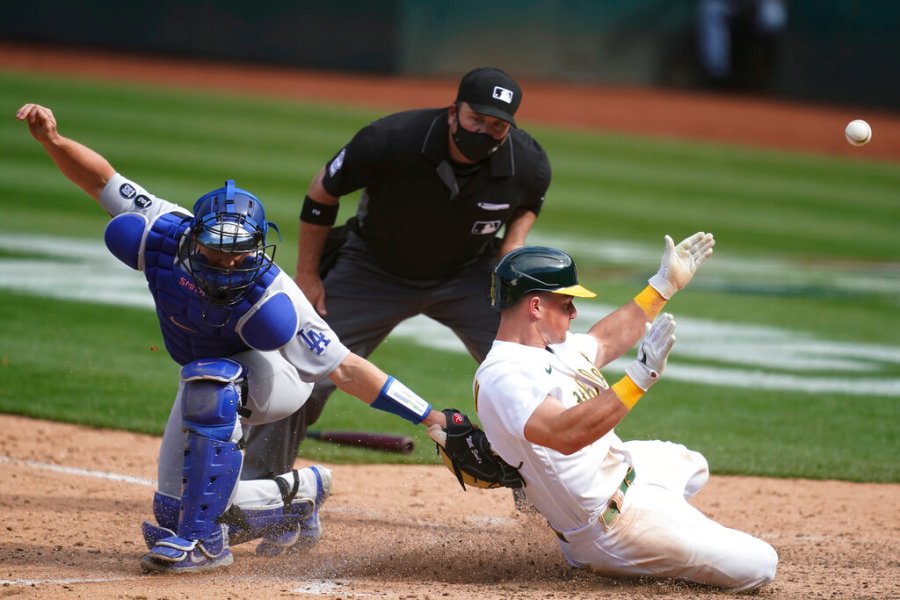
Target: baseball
(858,132)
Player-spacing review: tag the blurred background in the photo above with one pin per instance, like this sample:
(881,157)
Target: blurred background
(833,51)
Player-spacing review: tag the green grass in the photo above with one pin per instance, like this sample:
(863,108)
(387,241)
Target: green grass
(827,224)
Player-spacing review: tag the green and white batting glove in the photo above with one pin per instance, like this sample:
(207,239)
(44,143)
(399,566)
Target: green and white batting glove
(653,352)
(679,263)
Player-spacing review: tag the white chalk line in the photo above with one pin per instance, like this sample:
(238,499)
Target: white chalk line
(481,521)
(316,587)
(82,472)
(67,581)
(118,477)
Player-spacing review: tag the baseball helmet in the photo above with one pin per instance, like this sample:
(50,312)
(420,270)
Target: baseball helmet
(534,269)
(229,220)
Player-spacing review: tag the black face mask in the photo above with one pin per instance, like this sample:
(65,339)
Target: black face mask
(474,146)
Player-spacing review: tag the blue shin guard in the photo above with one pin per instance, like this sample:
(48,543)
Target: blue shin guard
(293,525)
(166,510)
(212,463)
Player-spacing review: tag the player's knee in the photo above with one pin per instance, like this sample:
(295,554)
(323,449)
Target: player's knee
(768,565)
(212,398)
(699,476)
(760,570)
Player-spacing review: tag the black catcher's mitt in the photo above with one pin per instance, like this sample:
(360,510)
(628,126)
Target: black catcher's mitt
(466,451)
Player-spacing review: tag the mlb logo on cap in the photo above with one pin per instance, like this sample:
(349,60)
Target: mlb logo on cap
(490,91)
(503,94)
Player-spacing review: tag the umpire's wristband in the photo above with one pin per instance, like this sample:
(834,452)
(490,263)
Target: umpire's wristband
(318,213)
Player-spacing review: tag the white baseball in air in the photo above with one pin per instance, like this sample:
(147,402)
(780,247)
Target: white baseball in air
(858,132)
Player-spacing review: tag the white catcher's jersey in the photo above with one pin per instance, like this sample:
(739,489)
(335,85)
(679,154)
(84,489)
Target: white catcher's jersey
(122,195)
(509,385)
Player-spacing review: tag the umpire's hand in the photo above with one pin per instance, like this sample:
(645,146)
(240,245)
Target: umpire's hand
(312,287)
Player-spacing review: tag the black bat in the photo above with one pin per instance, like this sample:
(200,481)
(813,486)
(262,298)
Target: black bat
(385,442)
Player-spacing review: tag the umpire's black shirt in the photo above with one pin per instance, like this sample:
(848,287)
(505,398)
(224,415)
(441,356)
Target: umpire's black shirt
(419,218)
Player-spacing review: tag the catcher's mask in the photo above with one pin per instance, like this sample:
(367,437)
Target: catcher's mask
(534,269)
(232,221)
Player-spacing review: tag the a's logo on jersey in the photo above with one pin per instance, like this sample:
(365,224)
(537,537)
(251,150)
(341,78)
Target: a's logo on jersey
(589,382)
(142,201)
(549,369)
(337,163)
(126,190)
(486,227)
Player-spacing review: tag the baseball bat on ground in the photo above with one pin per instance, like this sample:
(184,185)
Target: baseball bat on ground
(385,442)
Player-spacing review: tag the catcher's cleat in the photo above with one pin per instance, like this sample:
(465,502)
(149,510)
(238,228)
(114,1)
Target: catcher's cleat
(305,534)
(178,555)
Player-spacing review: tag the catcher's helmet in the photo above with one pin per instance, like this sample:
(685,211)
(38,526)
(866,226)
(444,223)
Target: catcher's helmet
(229,220)
(534,269)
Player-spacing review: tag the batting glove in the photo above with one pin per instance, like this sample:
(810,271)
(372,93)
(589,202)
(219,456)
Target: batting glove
(653,352)
(679,263)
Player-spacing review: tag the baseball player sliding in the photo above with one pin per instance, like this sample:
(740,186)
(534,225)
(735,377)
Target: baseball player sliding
(617,507)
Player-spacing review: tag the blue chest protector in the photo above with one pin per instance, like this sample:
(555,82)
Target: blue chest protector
(187,334)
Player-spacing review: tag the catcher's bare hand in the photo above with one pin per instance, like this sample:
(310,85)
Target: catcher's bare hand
(41,122)
(679,263)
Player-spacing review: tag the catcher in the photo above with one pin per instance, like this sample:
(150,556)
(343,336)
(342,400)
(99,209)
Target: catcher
(250,347)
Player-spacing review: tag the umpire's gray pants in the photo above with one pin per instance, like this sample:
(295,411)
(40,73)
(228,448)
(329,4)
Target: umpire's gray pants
(365,303)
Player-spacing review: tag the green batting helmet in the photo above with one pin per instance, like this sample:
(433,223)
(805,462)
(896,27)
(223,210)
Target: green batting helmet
(534,269)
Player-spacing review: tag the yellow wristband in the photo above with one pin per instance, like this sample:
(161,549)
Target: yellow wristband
(650,301)
(627,391)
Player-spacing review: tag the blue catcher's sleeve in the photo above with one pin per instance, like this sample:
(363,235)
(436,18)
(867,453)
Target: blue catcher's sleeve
(123,237)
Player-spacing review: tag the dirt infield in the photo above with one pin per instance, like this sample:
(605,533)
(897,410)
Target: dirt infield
(72,498)
(69,528)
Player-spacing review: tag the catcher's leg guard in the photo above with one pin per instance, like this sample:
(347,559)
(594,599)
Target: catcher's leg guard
(166,510)
(308,531)
(295,523)
(212,464)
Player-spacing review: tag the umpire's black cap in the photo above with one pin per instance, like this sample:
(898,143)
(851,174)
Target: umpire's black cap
(490,91)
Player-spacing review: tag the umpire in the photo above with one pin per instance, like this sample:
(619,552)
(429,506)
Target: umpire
(445,193)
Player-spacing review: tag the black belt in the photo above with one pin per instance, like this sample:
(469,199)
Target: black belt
(614,505)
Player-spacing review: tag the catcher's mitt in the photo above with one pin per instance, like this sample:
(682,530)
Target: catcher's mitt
(467,452)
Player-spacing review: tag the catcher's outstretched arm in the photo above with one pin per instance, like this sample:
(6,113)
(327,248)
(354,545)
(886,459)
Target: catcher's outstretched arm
(83,166)
(359,377)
